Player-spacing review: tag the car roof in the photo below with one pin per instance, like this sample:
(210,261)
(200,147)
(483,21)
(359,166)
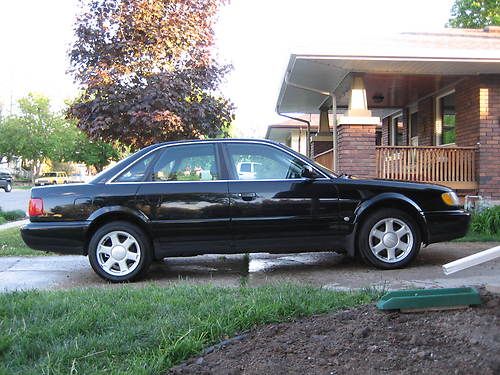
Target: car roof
(187,141)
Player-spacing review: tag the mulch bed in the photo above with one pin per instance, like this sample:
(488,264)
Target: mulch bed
(364,341)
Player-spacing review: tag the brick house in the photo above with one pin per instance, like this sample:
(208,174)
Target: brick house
(418,107)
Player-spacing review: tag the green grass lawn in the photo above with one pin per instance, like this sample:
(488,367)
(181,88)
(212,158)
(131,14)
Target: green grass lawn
(11,244)
(22,187)
(142,330)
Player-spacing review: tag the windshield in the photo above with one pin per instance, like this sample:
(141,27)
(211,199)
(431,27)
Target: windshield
(49,174)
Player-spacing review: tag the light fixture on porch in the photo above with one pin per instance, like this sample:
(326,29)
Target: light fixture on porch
(378,97)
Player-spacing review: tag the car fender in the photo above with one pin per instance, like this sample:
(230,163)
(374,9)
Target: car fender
(378,200)
(123,210)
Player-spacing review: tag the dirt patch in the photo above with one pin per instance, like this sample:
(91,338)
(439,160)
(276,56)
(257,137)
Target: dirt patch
(364,341)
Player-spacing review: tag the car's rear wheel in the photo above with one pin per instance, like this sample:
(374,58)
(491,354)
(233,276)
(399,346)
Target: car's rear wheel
(389,239)
(120,251)
(8,187)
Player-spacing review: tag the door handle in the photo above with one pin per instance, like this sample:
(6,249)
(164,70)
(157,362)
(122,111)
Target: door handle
(247,196)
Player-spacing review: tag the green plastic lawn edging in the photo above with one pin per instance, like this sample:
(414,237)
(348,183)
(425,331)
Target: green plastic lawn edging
(421,299)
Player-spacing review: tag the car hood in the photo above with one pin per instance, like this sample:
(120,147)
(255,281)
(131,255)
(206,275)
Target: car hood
(396,184)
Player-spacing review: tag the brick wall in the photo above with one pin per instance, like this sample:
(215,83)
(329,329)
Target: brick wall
(386,134)
(317,147)
(357,150)
(489,136)
(467,112)
(426,122)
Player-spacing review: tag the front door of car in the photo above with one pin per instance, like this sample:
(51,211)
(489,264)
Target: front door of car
(272,206)
(187,201)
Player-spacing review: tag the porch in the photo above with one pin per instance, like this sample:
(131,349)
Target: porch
(454,167)
(417,108)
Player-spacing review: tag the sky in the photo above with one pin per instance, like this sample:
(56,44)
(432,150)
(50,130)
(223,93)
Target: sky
(255,36)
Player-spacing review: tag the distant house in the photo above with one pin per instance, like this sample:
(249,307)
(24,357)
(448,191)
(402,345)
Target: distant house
(433,99)
(294,133)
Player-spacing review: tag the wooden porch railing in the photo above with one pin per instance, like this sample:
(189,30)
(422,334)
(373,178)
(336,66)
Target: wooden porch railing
(450,166)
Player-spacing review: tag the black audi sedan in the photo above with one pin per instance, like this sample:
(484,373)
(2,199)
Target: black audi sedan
(232,196)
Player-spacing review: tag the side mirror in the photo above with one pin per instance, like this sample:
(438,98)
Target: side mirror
(308,172)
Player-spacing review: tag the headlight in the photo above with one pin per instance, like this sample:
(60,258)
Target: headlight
(450,198)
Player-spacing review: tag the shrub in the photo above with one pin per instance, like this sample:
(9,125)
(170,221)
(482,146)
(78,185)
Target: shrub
(11,215)
(486,221)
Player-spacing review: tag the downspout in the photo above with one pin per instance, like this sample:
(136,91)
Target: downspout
(335,144)
(287,82)
(308,132)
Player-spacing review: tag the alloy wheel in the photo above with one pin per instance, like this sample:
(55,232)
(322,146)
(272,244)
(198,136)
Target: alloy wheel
(118,253)
(391,240)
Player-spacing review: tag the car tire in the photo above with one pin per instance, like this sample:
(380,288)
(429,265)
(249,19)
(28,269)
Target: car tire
(8,187)
(389,239)
(120,251)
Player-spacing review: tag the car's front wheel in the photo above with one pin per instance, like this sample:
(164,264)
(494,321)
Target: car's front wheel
(120,251)
(389,239)
(8,187)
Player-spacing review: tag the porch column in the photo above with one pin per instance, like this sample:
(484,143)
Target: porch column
(322,141)
(356,135)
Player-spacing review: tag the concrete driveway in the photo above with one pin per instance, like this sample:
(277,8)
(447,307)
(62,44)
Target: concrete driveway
(17,199)
(321,269)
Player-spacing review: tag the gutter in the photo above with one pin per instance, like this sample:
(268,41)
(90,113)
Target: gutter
(308,132)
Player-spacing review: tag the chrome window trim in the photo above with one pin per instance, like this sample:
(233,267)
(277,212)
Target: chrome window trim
(190,182)
(111,180)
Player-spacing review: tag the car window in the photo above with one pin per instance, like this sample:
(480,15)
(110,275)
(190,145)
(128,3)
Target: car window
(194,162)
(137,171)
(268,162)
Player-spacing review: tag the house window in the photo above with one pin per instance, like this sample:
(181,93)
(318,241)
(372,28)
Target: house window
(447,117)
(397,131)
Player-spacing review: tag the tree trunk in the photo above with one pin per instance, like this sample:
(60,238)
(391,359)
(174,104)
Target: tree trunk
(37,166)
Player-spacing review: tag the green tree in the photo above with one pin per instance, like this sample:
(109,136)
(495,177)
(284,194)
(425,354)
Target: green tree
(29,134)
(94,153)
(475,14)
(37,134)
(147,71)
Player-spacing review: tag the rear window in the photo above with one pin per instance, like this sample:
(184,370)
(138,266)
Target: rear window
(246,167)
(137,171)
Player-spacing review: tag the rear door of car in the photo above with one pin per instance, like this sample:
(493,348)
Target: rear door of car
(274,208)
(185,196)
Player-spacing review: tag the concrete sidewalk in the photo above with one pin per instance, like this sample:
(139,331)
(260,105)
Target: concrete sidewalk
(17,199)
(14,224)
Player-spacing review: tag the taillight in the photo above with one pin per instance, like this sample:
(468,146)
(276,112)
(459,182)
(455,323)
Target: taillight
(35,207)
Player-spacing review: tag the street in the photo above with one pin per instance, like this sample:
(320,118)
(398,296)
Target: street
(17,199)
